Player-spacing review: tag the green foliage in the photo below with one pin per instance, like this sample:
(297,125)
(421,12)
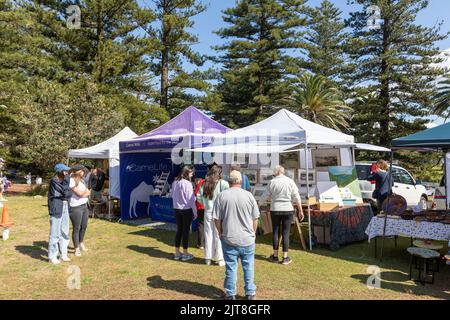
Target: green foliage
(258,58)
(39,190)
(316,100)
(442,98)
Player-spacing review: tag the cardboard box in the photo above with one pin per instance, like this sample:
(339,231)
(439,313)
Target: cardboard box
(328,206)
(312,201)
(266,222)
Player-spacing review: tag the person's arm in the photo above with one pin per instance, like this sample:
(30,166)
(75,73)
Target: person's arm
(189,192)
(79,194)
(216,216)
(255,215)
(297,201)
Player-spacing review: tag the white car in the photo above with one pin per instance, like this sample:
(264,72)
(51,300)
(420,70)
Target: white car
(404,185)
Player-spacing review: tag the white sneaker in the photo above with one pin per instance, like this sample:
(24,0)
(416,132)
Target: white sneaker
(83,247)
(55,261)
(208,262)
(77,252)
(186,257)
(65,259)
(221,263)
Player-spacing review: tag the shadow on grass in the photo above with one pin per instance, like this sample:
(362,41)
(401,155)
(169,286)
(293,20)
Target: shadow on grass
(157,253)
(186,287)
(37,251)
(398,281)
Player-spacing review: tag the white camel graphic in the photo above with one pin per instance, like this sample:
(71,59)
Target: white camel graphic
(141,193)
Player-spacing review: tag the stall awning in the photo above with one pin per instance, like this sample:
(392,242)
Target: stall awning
(371,147)
(437,137)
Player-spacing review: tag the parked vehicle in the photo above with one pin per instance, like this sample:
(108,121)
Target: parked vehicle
(404,185)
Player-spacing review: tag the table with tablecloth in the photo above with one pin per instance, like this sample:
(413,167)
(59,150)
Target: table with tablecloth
(345,225)
(408,228)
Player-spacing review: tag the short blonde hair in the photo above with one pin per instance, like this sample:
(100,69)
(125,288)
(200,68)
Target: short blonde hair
(383,165)
(278,170)
(235,177)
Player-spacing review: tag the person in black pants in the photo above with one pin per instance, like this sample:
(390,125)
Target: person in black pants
(284,195)
(185,211)
(381,178)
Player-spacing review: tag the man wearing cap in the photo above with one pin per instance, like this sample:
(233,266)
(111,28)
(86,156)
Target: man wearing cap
(58,207)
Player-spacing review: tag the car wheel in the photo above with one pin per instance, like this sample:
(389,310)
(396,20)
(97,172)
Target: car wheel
(423,203)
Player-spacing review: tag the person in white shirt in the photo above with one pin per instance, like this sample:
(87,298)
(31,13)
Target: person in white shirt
(284,196)
(79,213)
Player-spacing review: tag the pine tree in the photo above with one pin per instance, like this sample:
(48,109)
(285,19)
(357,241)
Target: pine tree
(325,42)
(174,44)
(259,57)
(393,62)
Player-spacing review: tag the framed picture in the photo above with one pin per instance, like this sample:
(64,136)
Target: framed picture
(290,173)
(302,176)
(326,158)
(265,175)
(258,190)
(252,175)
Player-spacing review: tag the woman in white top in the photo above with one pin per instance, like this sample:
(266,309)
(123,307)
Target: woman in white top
(79,212)
(284,195)
(207,194)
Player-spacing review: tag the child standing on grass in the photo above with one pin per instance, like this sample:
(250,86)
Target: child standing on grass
(58,207)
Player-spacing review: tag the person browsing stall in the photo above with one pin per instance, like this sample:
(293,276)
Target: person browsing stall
(284,195)
(381,177)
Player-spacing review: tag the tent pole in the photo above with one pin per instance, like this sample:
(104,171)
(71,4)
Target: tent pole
(109,188)
(307,195)
(445,179)
(389,197)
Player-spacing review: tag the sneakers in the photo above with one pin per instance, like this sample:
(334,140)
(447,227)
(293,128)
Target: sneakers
(55,261)
(221,263)
(65,259)
(286,260)
(186,257)
(208,262)
(77,252)
(177,256)
(273,259)
(230,297)
(251,297)
(83,247)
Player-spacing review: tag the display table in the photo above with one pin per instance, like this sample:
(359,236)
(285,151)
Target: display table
(161,209)
(408,228)
(344,225)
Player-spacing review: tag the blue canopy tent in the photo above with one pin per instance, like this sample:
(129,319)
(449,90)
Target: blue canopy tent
(150,162)
(434,139)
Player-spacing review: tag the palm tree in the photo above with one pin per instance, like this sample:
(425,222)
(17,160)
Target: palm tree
(442,98)
(315,99)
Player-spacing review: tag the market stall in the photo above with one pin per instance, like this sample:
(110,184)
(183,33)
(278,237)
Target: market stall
(319,159)
(107,150)
(150,162)
(436,139)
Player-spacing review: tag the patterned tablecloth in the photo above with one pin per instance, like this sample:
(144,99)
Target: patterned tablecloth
(346,224)
(408,228)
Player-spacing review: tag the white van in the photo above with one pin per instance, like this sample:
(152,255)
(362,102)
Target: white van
(404,185)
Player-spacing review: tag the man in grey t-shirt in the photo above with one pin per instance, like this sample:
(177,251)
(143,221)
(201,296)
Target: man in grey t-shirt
(236,214)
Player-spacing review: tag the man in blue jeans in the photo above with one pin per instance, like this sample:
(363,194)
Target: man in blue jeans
(236,216)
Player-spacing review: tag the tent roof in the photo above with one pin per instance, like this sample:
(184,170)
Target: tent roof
(191,122)
(437,137)
(106,149)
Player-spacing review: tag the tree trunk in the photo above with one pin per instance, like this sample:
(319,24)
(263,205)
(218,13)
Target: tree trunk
(164,103)
(384,113)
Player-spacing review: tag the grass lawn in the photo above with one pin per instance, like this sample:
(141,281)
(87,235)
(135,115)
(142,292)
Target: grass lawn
(129,262)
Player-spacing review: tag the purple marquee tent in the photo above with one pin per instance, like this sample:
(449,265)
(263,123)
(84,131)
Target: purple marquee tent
(150,162)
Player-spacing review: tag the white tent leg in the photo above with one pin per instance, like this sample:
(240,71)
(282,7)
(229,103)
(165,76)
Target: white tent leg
(307,196)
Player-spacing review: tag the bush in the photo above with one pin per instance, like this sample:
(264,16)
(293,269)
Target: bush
(40,190)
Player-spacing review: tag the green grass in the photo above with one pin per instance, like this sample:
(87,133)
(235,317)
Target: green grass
(128,262)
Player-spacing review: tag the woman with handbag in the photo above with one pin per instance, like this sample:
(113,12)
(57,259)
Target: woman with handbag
(381,177)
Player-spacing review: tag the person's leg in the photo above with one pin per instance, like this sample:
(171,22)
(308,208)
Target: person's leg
(276,220)
(179,233)
(55,227)
(247,255)
(75,216)
(64,238)
(230,255)
(208,226)
(217,246)
(286,229)
(84,224)
(187,220)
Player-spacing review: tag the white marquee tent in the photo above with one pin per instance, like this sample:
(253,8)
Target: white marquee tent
(108,149)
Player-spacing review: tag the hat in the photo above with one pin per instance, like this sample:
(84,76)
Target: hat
(78,167)
(61,167)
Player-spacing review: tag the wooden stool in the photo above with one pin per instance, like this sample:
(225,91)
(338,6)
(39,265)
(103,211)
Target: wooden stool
(421,258)
(428,244)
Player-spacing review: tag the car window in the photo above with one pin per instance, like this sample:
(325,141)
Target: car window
(405,177)
(396,175)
